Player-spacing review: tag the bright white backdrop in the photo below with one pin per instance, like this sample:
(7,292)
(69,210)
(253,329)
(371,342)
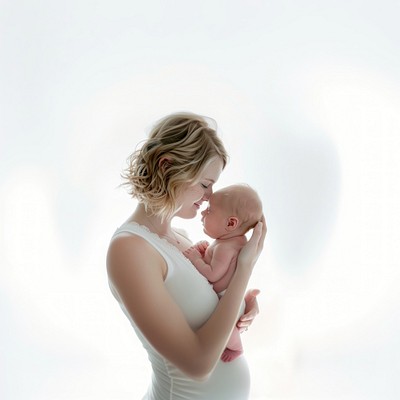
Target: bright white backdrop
(306,97)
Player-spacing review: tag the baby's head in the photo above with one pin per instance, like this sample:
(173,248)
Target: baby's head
(232,211)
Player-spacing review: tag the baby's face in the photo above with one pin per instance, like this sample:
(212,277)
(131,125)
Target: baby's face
(214,217)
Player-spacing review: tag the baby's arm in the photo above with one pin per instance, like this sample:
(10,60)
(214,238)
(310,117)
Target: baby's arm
(219,264)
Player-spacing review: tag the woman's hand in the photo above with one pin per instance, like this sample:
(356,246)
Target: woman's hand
(250,311)
(249,254)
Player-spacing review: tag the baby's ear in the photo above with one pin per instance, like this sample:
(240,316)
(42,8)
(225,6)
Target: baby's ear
(232,223)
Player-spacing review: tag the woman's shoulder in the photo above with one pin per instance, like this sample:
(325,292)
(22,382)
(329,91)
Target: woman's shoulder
(128,241)
(135,237)
(128,253)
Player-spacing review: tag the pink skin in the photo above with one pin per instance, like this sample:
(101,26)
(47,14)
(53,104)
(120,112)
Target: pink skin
(191,201)
(194,195)
(214,219)
(197,254)
(217,224)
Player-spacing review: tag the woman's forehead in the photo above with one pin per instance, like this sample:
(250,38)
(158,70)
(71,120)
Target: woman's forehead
(213,170)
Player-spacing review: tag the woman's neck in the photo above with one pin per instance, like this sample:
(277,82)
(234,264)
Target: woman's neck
(154,224)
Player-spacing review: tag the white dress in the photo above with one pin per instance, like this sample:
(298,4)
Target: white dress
(197,299)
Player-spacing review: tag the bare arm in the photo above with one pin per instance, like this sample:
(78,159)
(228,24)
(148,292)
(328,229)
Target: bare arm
(250,298)
(251,310)
(136,273)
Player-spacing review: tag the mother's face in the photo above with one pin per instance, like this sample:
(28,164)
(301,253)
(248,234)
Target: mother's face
(193,195)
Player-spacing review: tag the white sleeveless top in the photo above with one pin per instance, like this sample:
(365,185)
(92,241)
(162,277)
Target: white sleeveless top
(197,300)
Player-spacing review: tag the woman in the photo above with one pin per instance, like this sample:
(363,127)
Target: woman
(172,307)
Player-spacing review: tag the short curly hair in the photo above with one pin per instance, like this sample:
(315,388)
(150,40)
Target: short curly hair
(178,149)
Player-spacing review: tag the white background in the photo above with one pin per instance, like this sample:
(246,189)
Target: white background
(306,97)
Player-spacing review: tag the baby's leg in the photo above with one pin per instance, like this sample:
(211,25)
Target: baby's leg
(234,347)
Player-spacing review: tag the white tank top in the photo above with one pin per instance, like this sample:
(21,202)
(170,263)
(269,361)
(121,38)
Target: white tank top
(197,300)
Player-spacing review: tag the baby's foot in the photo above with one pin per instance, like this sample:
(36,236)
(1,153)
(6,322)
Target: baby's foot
(229,355)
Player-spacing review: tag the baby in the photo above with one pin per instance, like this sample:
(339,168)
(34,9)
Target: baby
(231,212)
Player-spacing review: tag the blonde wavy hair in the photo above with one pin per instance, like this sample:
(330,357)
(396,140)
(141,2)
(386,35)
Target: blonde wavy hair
(178,149)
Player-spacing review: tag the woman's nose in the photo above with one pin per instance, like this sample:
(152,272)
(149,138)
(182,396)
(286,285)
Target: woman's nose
(207,193)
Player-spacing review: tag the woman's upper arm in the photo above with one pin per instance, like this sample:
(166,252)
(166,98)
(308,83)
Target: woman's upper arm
(136,273)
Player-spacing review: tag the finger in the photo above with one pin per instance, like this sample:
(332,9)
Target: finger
(251,298)
(252,293)
(251,302)
(243,326)
(263,220)
(245,318)
(257,233)
(263,231)
(249,316)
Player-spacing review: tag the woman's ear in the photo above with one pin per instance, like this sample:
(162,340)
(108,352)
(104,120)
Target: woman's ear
(232,223)
(164,163)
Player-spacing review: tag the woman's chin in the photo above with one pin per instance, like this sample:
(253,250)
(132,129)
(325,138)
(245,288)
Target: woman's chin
(187,214)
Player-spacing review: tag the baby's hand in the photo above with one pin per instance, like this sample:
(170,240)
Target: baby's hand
(192,253)
(201,247)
